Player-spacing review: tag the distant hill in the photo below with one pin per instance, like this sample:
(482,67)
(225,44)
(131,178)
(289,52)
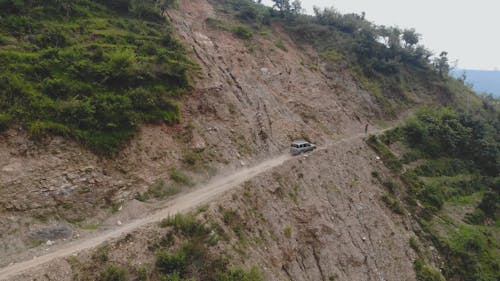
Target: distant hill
(482,80)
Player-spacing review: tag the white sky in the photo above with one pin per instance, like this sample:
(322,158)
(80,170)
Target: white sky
(467,30)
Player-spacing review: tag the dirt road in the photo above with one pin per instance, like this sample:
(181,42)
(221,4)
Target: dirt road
(181,204)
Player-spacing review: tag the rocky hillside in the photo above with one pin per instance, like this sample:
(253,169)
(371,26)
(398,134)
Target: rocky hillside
(253,90)
(250,99)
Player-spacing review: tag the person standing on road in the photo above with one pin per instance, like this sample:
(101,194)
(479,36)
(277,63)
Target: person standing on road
(366,129)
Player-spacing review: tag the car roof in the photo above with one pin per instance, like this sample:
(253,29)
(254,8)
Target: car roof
(299,142)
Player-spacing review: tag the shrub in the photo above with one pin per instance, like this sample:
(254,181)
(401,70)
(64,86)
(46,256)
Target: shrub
(187,224)
(471,255)
(391,185)
(490,204)
(242,31)
(175,263)
(280,45)
(393,203)
(432,197)
(427,273)
(5,120)
(114,273)
(414,245)
(159,190)
(180,178)
(288,232)
(389,159)
(239,275)
(3,40)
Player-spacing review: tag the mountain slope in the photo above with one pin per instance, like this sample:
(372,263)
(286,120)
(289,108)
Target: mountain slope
(327,216)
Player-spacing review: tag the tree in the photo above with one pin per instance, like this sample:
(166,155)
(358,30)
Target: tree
(283,6)
(296,8)
(441,64)
(410,37)
(165,4)
(394,38)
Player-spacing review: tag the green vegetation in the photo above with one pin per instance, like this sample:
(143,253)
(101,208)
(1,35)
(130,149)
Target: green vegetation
(89,70)
(387,156)
(427,273)
(280,45)
(287,231)
(114,273)
(180,178)
(389,62)
(159,190)
(242,31)
(392,202)
(186,224)
(239,274)
(459,156)
(194,258)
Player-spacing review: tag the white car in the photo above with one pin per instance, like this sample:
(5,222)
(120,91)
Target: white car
(300,146)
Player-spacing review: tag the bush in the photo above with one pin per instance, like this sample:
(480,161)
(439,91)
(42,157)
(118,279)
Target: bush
(471,255)
(175,263)
(427,273)
(248,11)
(242,31)
(187,224)
(414,245)
(159,190)
(180,178)
(392,202)
(239,275)
(114,273)
(389,159)
(288,232)
(391,185)
(3,40)
(5,120)
(432,198)
(490,204)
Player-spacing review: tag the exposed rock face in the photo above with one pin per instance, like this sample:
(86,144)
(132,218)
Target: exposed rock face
(321,218)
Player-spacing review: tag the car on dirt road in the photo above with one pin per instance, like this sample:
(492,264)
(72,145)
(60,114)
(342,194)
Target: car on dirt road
(300,146)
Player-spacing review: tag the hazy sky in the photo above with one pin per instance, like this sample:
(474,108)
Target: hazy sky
(468,30)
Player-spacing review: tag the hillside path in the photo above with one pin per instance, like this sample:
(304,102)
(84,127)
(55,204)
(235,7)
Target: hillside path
(181,204)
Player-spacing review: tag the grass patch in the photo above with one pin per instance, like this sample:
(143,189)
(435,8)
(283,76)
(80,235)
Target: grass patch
(88,70)
(392,202)
(242,31)
(159,190)
(180,178)
(426,273)
(280,45)
(90,227)
(288,232)
(114,273)
(186,224)
(389,159)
